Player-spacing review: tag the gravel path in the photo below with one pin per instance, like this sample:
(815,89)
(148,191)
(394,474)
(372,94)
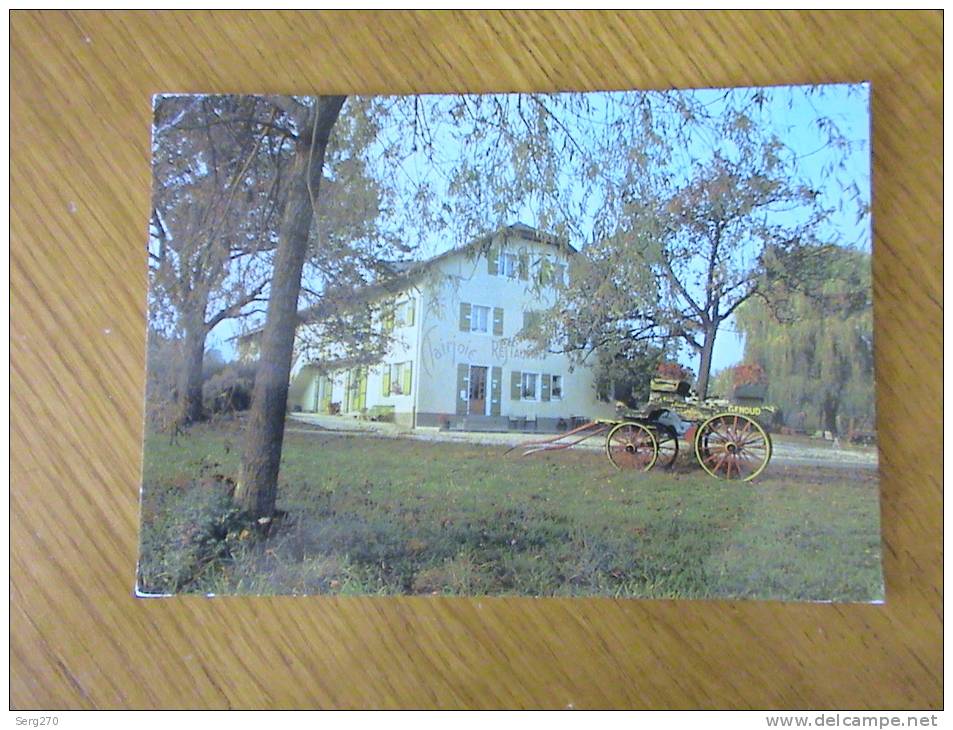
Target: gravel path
(785,452)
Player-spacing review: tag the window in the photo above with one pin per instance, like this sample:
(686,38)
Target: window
(479,318)
(549,271)
(404,313)
(532,319)
(509,265)
(396,379)
(529,385)
(556,393)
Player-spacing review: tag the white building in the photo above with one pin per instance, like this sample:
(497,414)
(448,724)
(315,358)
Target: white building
(455,360)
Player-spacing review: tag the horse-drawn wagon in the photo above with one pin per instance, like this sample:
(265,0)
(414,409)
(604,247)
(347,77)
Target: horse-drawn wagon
(729,436)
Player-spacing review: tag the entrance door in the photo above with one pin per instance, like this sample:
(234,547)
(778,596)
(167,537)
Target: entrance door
(477,398)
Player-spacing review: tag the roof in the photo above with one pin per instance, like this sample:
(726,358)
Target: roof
(407,270)
(521,230)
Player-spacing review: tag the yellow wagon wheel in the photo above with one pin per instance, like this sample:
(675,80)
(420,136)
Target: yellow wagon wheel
(631,446)
(730,446)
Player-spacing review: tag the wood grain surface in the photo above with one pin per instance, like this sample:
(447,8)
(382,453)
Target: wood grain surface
(80,116)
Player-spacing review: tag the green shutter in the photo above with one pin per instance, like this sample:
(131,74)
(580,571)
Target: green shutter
(411,306)
(405,386)
(496,389)
(498,321)
(524,265)
(362,389)
(464,317)
(463,380)
(385,381)
(547,384)
(545,271)
(530,319)
(516,382)
(493,261)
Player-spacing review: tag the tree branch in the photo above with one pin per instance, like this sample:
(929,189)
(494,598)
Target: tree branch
(234,309)
(745,297)
(683,292)
(294,109)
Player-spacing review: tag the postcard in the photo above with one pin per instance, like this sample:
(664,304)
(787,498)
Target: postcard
(580,344)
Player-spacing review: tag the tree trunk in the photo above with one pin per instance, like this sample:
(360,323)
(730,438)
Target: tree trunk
(704,365)
(829,412)
(190,388)
(257,489)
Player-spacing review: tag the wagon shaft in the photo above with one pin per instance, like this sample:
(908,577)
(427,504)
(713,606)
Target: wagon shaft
(558,442)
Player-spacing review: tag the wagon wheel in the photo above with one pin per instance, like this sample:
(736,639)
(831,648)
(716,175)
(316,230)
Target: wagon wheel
(667,439)
(732,446)
(631,446)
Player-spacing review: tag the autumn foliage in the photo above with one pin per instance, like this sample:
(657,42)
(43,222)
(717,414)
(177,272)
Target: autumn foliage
(673,371)
(748,374)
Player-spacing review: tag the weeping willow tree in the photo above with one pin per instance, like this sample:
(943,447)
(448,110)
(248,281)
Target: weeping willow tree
(815,340)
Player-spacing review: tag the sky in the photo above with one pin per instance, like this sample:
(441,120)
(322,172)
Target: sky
(790,113)
(853,117)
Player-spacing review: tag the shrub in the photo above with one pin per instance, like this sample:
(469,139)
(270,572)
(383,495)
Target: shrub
(229,389)
(673,371)
(748,374)
(185,528)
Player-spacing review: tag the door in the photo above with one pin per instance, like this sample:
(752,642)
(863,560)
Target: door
(356,390)
(322,394)
(477,391)
(326,386)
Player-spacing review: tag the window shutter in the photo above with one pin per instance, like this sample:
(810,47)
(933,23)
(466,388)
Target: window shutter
(411,306)
(498,321)
(464,317)
(530,318)
(405,386)
(546,271)
(524,265)
(387,317)
(547,385)
(362,388)
(496,387)
(463,381)
(493,261)
(516,384)
(385,381)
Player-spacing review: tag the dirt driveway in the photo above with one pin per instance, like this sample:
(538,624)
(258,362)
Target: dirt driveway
(787,450)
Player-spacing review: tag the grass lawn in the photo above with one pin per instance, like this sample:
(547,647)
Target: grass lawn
(364,515)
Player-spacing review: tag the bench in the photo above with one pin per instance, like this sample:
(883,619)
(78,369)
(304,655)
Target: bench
(381,413)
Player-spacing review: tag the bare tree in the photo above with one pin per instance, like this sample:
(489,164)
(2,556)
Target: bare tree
(217,184)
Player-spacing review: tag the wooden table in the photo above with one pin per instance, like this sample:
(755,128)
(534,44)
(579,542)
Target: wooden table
(81,92)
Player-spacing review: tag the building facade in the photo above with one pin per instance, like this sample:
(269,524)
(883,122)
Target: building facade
(455,359)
